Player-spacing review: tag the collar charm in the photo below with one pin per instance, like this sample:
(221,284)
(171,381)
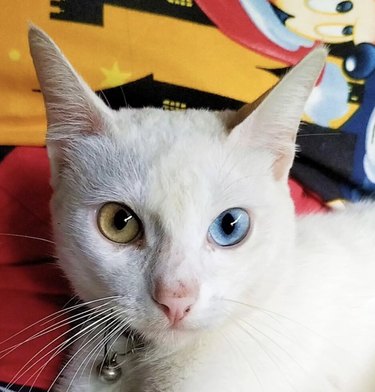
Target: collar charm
(109,371)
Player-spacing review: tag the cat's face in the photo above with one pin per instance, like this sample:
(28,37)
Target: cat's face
(176,214)
(177,172)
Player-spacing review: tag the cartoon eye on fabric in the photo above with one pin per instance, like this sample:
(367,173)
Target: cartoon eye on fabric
(334,31)
(360,64)
(330,6)
(230,227)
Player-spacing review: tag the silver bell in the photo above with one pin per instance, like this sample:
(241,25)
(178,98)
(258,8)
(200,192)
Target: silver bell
(109,372)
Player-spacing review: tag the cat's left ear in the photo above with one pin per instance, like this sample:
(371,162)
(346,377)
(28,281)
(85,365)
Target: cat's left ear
(273,125)
(72,108)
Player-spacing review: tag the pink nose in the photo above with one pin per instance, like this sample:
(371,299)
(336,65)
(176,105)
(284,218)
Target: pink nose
(175,308)
(176,304)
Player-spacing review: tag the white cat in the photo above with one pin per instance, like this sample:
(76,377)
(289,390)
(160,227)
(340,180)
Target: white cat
(180,230)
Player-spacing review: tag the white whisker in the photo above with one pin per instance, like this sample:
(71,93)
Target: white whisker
(234,344)
(96,351)
(78,351)
(27,237)
(273,342)
(49,329)
(54,316)
(62,346)
(267,353)
(269,313)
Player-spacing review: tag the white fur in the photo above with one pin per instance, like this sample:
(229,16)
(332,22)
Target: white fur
(290,308)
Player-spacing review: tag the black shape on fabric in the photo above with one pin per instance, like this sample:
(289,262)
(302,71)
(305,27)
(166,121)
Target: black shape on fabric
(19,388)
(331,149)
(147,92)
(91,11)
(5,150)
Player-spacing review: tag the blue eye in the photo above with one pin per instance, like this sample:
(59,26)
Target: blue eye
(230,227)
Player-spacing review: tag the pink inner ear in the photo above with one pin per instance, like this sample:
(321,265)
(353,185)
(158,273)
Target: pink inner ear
(282,165)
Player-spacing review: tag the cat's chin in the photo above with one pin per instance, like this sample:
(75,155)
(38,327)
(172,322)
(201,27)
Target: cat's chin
(176,339)
(172,337)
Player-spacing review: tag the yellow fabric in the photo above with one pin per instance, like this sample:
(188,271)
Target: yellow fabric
(131,45)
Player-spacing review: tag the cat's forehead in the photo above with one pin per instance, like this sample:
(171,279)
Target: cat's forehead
(164,161)
(164,128)
(188,168)
(139,142)
(170,145)
(173,148)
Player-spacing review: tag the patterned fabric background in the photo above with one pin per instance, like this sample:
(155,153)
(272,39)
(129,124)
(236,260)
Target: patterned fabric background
(174,54)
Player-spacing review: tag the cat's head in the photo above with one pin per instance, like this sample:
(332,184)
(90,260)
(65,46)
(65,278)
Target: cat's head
(176,214)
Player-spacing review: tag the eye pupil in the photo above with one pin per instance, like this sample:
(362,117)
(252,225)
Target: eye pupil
(347,30)
(228,224)
(120,219)
(344,6)
(230,227)
(118,223)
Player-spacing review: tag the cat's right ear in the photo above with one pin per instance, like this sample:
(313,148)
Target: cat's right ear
(272,122)
(72,108)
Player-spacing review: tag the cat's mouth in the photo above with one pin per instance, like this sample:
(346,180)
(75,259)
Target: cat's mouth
(164,334)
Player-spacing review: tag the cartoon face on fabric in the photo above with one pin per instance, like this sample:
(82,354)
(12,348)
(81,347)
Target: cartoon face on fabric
(296,24)
(331,21)
(285,30)
(335,22)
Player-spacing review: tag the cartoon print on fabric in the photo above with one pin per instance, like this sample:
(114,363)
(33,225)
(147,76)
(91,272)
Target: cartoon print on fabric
(333,22)
(272,22)
(330,97)
(337,22)
(286,30)
(362,124)
(92,11)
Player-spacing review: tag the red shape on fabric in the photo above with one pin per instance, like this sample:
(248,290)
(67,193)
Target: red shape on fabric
(31,285)
(305,202)
(24,197)
(233,21)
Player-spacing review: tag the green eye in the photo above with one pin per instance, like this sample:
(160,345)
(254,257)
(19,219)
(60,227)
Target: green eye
(118,223)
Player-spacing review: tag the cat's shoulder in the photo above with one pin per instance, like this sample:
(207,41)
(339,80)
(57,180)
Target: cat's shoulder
(361,211)
(350,226)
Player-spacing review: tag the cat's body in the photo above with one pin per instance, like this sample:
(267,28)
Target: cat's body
(183,225)
(314,333)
